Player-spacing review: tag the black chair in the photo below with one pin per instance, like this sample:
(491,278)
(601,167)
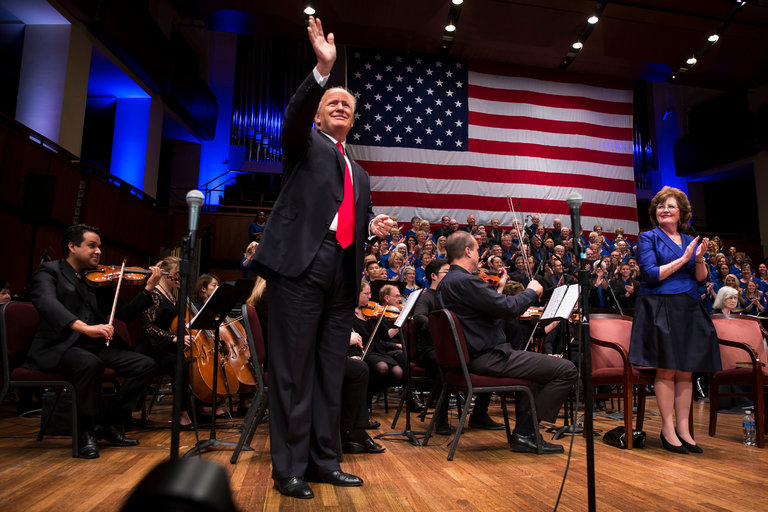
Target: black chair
(452,355)
(258,407)
(18,324)
(418,374)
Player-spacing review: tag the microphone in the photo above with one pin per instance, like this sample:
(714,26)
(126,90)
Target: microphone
(194,201)
(574,203)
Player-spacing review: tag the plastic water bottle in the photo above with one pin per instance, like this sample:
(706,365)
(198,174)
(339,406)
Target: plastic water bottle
(748,423)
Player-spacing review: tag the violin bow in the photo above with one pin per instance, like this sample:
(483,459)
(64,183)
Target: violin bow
(373,333)
(117,294)
(518,224)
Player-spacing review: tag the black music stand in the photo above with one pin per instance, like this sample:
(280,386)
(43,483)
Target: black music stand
(210,317)
(404,314)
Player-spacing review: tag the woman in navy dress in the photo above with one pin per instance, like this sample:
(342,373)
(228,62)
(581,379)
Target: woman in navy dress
(671,331)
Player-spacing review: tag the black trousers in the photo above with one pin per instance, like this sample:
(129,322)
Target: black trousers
(354,406)
(310,321)
(554,377)
(83,366)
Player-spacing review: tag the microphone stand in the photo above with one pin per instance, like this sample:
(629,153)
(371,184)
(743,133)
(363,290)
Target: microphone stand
(615,300)
(574,202)
(181,310)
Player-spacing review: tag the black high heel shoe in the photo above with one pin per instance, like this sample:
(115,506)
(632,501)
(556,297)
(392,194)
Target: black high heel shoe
(692,448)
(672,448)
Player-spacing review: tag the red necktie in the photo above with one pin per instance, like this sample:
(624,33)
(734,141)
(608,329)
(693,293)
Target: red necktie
(345,225)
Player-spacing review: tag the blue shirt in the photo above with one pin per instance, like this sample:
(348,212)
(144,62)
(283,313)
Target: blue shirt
(655,249)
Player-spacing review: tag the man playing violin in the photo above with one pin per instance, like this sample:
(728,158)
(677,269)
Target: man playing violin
(482,312)
(74,334)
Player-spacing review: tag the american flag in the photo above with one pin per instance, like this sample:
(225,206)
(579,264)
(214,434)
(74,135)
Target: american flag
(441,136)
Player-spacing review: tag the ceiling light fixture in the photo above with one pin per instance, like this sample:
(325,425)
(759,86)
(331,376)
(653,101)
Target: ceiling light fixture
(578,45)
(593,19)
(457,2)
(450,27)
(691,61)
(309,11)
(713,38)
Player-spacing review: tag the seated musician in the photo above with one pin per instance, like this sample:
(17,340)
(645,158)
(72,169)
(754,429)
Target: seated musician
(354,407)
(519,333)
(158,341)
(425,354)
(384,371)
(482,312)
(74,338)
(389,337)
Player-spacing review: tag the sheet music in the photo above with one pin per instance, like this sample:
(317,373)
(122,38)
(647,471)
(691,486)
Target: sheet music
(562,302)
(403,316)
(568,302)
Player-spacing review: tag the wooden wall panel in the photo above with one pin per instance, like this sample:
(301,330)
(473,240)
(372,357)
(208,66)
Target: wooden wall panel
(65,198)
(20,158)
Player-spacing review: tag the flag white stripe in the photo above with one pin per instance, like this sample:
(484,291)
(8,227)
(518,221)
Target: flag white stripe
(567,140)
(491,189)
(513,83)
(571,115)
(490,161)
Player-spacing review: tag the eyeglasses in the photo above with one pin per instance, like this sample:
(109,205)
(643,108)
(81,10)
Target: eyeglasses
(443,272)
(667,207)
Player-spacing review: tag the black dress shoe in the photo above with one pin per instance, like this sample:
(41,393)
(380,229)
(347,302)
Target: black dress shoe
(372,425)
(189,427)
(367,446)
(115,437)
(338,478)
(294,487)
(528,444)
(672,448)
(485,422)
(416,404)
(692,448)
(88,447)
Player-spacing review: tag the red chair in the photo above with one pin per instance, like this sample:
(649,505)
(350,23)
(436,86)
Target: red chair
(258,407)
(610,335)
(452,355)
(743,355)
(18,325)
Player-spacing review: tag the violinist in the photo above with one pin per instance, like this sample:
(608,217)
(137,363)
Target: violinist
(482,312)
(73,334)
(384,371)
(158,340)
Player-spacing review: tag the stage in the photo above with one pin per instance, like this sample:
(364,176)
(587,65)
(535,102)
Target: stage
(485,475)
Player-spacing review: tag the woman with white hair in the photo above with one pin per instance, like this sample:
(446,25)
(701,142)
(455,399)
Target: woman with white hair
(726,301)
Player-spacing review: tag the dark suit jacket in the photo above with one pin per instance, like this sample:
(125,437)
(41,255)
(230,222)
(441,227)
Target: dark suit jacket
(60,301)
(480,309)
(312,190)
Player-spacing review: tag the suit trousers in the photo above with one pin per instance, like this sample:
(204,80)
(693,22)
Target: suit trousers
(84,366)
(553,376)
(310,321)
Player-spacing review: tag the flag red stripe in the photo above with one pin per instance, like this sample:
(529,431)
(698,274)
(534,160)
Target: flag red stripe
(500,204)
(548,125)
(549,100)
(473,173)
(550,152)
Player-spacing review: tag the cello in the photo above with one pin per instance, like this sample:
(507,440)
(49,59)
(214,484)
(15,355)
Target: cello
(232,335)
(201,368)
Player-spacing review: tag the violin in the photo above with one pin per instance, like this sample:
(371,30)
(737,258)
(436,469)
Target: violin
(532,313)
(376,310)
(108,275)
(488,276)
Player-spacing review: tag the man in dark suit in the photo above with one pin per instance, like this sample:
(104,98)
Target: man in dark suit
(311,253)
(482,312)
(74,338)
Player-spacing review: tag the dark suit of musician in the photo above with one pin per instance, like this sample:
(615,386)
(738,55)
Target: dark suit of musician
(312,284)
(61,298)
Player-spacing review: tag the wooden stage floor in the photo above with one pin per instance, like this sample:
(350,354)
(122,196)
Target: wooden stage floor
(485,475)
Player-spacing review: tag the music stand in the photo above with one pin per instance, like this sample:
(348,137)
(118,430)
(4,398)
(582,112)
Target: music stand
(402,317)
(210,317)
